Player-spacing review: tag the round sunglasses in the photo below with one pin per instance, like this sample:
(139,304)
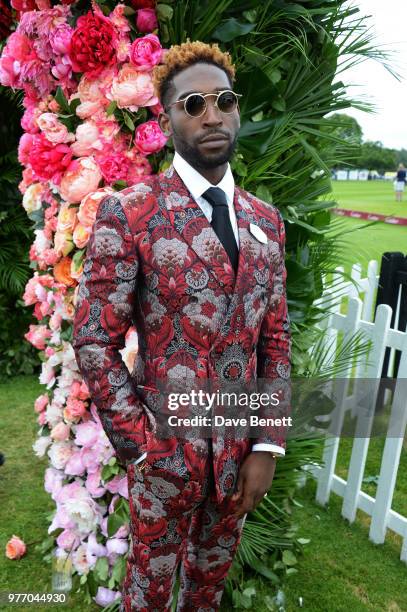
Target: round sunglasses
(195,104)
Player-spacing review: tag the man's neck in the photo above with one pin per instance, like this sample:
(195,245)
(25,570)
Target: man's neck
(213,175)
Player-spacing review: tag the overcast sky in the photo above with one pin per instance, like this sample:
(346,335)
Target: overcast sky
(389,124)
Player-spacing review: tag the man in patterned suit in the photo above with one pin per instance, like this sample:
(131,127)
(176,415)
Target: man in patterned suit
(197,265)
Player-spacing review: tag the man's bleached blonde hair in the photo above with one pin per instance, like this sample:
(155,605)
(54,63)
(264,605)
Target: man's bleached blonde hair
(179,57)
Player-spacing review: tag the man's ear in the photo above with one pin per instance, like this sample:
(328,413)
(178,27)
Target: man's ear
(165,123)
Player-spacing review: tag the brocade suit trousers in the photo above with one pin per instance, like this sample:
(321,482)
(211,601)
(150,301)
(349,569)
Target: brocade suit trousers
(177,523)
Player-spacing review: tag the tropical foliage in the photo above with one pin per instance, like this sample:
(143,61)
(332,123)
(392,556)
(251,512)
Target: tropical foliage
(290,57)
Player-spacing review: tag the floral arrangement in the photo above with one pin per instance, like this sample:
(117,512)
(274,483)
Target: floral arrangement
(90,128)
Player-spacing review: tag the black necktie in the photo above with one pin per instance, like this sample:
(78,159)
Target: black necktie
(221,222)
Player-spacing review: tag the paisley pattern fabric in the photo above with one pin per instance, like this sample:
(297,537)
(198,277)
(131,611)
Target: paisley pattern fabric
(155,262)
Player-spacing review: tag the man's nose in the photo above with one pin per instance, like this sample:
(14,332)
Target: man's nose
(212,116)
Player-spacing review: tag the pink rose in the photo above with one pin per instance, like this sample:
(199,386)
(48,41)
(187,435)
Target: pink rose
(89,205)
(146,52)
(42,419)
(75,409)
(41,402)
(60,432)
(132,88)
(82,177)
(66,218)
(37,335)
(81,236)
(15,548)
(146,20)
(55,131)
(105,597)
(63,243)
(149,138)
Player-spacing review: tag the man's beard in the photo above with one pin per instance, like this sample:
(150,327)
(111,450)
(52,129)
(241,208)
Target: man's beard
(197,160)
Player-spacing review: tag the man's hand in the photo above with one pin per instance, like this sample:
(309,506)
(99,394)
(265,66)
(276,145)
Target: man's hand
(255,478)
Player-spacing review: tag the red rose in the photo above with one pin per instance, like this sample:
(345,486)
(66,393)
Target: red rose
(93,44)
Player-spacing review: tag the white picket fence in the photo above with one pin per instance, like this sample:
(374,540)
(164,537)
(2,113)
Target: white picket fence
(358,317)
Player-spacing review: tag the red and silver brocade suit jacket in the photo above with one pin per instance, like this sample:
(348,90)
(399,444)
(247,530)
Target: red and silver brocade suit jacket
(154,261)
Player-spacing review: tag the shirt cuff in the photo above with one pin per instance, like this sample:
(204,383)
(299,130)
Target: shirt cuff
(141,458)
(270,448)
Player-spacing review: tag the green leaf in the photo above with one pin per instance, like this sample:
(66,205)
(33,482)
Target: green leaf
(289,558)
(119,570)
(265,571)
(128,121)
(255,137)
(264,193)
(291,571)
(121,184)
(62,101)
(231,29)
(74,105)
(92,583)
(102,568)
(303,540)
(114,522)
(279,104)
(164,12)
(111,108)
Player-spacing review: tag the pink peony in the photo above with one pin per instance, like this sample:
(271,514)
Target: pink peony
(48,161)
(114,166)
(139,168)
(87,139)
(146,20)
(60,432)
(60,39)
(68,539)
(89,205)
(82,177)
(15,548)
(146,52)
(132,88)
(149,138)
(104,597)
(37,335)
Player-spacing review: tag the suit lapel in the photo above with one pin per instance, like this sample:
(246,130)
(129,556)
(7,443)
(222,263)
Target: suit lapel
(188,219)
(186,216)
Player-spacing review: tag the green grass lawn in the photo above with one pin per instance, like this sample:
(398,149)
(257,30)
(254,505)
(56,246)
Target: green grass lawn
(24,504)
(363,242)
(369,196)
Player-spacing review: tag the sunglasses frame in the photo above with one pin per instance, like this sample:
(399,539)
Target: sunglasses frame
(204,96)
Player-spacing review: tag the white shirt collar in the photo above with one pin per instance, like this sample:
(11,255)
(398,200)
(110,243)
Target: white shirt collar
(198,184)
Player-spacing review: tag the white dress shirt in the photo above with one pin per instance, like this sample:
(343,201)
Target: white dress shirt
(197,185)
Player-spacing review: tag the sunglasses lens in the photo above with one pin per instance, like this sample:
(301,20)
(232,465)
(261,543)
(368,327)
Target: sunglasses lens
(195,105)
(227,102)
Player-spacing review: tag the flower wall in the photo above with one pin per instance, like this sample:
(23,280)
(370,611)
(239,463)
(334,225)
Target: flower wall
(89,128)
